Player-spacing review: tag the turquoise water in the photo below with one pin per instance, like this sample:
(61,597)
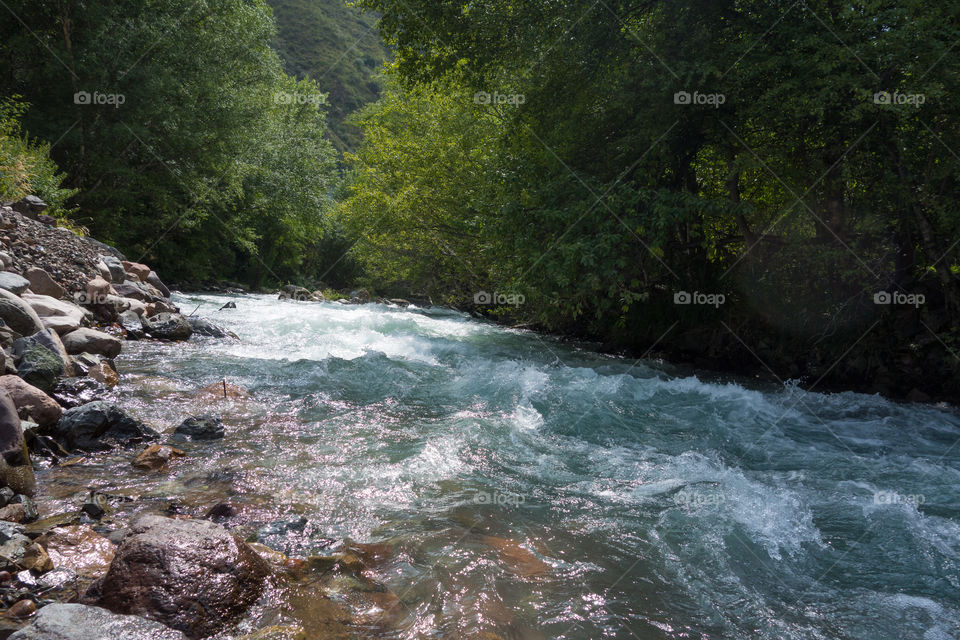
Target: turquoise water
(536,490)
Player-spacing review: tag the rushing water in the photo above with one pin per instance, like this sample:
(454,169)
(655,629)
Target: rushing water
(530,489)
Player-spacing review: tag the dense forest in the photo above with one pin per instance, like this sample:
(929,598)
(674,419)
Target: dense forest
(692,176)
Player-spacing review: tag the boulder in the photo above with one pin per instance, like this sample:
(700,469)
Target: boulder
(168,326)
(38,364)
(18,315)
(13,283)
(200,428)
(13,546)
(164,568)
(131,324)
(92,341)
(137,269)
(50,340)
(74,392)
(131,290)
(117,272)
(30,401)
(97,289)
(99,426)
(16,471)
(83,622)
(203,327)
(159,306)
(155,457)
(65,313)
(293,292)
(30,206)
(104,271)
(153,279)
(42,284)
(104,373)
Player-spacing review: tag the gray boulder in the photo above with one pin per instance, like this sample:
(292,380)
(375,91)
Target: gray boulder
(154,279)
(83,622)
(37,364)
(117,273)
(18,315)
(164,567)
(203,327)
(168,326)
(132,324)
(92,341)
(99,426)
(12,282)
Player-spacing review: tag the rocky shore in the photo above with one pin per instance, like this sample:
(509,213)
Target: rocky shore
(68,304)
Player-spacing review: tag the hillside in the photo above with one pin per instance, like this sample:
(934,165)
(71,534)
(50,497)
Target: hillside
(340,48)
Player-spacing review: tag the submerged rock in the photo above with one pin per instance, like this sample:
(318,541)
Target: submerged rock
(80,549)
(164,568)
(200,428)
(99,426)
(83,622)
(156,457)
(203,327)
(74,392)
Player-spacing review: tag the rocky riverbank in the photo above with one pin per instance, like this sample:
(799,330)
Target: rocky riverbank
(90,569)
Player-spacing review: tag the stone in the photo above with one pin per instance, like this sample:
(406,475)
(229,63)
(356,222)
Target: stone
(164,567)
(30,401)
(16,471)
(139,270)
(43,284)
(203,327)
(153,279)
(92,341)
(37,365)
(96,290)
(73,392)
(84,622)
(130,322)
(159,306)
(36,558)
(13,282)
(6,261)
(80,549)
(13,544)
(105,374)
(22,609)
(131,290)
(293,292)
(61,312)
(30,206)
(18,315)
(115,266)
(104,271)
(200,428)
(156,457)
(49,340)
(99,426)
(168,326)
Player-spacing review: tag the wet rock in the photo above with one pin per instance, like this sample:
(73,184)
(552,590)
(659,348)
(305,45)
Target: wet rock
(6,495)
(13,283)
(74,392)
(168,326)
(13,544)
(80,549)
(16,471)
(154,280)
(99,426)
(203,327)
(30,401)
(164,567)
(83,622)
(117,272)
(22,609)
(222,511)
(206,427)
(229,305)
(92,341)
(42,284)
(104,373)
(156,457)
(224,389)
(18,315)
(131,324)
(36,558)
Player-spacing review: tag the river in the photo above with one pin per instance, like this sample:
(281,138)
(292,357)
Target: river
(528,488)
